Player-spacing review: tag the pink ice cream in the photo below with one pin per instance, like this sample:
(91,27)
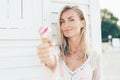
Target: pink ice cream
(45,33)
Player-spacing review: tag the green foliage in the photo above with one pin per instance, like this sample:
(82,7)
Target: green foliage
(109,25)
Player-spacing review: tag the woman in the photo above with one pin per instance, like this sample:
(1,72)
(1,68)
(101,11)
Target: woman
(76,62)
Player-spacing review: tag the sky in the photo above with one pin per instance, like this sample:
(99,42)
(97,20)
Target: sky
(112,5)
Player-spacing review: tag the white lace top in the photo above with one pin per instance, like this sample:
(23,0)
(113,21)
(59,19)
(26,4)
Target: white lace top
(90,70)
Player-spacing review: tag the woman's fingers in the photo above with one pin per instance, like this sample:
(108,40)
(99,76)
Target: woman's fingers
(44,45)
(44,53)
(46,58)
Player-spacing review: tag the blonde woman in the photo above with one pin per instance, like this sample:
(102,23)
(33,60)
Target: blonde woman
(76,62)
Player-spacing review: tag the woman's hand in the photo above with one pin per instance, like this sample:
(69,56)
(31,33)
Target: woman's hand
(45,55)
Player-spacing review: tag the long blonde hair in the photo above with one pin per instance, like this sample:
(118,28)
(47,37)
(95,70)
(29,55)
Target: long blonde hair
(63,42)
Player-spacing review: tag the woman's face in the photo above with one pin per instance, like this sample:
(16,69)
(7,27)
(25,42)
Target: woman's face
(71,24)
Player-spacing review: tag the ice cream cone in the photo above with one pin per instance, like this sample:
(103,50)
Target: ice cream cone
(45,34)
(45,40)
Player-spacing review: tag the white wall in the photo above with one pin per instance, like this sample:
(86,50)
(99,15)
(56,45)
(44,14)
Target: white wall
(95,28)
(19,37)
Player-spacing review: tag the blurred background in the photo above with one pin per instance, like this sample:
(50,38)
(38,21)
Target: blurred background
(110,29)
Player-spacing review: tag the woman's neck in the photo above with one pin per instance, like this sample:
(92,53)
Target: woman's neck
(74,42)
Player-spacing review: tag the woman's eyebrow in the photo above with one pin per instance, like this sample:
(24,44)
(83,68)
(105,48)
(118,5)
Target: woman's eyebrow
(67,18)
(70,17)
(61,19)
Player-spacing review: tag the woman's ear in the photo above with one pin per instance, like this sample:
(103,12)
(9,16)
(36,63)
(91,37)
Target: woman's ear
(83,23)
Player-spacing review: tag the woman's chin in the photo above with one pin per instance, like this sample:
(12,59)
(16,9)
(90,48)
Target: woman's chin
(68,36)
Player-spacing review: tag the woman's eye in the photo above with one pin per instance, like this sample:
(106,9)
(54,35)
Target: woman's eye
(61,21)
(71,20)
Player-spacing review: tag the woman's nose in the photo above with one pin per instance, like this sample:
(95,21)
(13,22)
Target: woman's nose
(66,24)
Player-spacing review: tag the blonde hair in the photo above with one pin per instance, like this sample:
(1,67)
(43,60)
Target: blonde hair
(63,43)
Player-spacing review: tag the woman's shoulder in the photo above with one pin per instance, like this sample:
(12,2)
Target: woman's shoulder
(94,57)
(94,53)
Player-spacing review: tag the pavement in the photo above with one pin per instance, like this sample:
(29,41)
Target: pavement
(111,63)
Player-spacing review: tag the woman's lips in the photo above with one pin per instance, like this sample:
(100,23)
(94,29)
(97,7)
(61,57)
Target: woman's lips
(67,30)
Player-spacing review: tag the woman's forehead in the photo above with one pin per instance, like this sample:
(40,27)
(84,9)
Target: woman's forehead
(69,14)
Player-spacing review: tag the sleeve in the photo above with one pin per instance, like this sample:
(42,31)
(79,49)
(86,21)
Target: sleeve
(98,70)
(56,53)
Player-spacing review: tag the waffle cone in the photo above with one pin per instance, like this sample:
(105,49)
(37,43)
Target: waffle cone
(45,40)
